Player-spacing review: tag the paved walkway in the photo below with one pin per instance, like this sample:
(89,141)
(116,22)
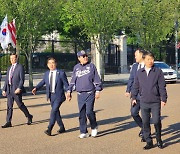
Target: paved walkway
(118,134)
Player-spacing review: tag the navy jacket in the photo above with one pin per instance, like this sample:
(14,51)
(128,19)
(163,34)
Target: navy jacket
(85,78)
(17,79)
(132,77)
(61,85)
(152,88)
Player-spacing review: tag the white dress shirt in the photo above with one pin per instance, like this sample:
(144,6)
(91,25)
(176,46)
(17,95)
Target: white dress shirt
(140,65)
(54,79)
(147,70)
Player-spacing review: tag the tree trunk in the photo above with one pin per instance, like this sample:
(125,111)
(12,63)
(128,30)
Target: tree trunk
(30,70)
(98,56)
(17,48)
(102,66)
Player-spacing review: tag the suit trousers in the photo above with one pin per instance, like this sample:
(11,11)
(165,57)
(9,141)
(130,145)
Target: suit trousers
(135,113)
(55,112)
(86,108)
(148,109)
(11,97)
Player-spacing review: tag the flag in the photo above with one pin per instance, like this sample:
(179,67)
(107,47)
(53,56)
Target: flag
(8,33)
(178,45)
(4,33)
(12,30)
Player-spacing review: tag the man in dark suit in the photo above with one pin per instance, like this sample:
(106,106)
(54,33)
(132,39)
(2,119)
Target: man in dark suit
(150,84)
(55,81)
(135,108)
(13,89)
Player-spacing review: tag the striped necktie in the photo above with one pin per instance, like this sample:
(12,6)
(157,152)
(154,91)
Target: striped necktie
(11,74)
(51,82)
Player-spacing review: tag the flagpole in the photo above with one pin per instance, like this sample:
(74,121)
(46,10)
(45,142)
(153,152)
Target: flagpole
(176,39)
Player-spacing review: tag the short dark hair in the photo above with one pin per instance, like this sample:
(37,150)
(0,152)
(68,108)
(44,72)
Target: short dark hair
(142,51)
(52,58)
(149,53)
(13,53)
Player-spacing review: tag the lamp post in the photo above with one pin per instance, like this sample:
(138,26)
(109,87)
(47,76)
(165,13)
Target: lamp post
(52,42)
(176,39)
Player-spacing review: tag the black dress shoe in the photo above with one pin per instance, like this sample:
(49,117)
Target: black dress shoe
(8,124)
(48,132)
(160,144)
(148,146)
(61,130)
(29,122)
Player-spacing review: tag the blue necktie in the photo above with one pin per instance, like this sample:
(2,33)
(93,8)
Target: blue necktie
(51,82)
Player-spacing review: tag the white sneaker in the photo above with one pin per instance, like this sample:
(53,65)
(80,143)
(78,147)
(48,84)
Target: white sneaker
(94,132)
(84,135)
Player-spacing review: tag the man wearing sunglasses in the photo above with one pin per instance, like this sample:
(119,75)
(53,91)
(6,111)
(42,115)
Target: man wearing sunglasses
(87,83)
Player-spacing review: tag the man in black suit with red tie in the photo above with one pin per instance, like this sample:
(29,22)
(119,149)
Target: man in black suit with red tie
(13,89)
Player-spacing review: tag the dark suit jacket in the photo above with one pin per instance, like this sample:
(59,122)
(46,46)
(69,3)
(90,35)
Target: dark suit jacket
(17,79)
(152,88)
(61,85)
(132,77)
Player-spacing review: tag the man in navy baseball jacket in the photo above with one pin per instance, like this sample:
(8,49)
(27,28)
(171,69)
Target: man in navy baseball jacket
(135,108)
(150,85)
(56,85)
(87,83)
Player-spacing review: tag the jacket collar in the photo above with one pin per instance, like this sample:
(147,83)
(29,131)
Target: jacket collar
(152,69)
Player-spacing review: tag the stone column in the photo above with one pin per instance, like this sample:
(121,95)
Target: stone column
(95,54)
(121,41)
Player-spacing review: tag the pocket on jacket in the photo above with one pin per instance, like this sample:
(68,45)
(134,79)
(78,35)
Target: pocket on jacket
(155,91)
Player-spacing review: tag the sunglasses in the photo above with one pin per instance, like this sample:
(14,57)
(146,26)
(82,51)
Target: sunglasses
(85,56)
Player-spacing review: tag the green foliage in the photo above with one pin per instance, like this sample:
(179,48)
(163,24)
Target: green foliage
(5,62)
(150,21)
(34,18)
(94,17)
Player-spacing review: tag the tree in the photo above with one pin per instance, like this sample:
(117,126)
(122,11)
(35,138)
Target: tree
(34,18)
(151,22)
(96,18)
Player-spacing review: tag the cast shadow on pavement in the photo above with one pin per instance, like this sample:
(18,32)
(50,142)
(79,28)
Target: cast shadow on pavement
(32,98)
(29,106)
(174,130)
(118,128)
(68,116)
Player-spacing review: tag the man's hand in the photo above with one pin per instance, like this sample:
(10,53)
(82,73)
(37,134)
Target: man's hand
(163,104)
(127,94)
(68,96)
(4,93)
(133,103)
(17,91)
(97,95)
(34,91)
